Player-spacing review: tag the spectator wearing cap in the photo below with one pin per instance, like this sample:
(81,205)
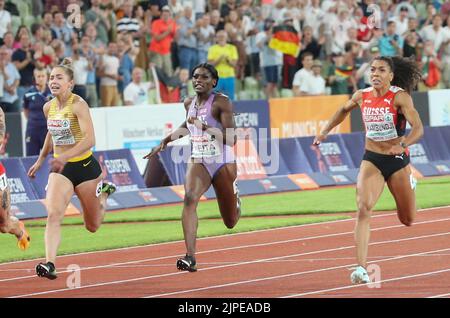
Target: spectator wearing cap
(401,21)
(270,59)
(163,32)
(390,43)
(224,57)
(187,41)
(316,83)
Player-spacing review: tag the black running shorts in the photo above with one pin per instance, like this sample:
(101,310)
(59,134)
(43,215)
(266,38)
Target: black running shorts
(81,171)
(387,164)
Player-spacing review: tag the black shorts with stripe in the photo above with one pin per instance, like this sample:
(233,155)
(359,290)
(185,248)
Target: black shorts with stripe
(82,171)
(387,164)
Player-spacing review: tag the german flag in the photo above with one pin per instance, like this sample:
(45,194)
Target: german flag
(345,71)
(286,40)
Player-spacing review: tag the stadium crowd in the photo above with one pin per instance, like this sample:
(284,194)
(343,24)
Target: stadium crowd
(119,47)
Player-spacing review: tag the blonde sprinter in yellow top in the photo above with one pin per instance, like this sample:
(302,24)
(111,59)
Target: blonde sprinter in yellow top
(73,167)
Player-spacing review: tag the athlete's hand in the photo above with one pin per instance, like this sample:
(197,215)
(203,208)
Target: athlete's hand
(318,139)
(396,150)
(197,123)
(155,150)
(57,164)
(34,168)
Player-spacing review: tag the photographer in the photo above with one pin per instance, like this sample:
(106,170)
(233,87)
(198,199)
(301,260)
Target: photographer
(390,43)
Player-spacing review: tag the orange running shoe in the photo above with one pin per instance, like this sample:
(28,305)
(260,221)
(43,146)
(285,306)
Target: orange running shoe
(24,241)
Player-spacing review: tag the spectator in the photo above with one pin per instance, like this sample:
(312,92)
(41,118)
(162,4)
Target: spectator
(136,92)
(226,7)
(176,8)
(364,70)
(163,32)
(289,67)
(270,59)
(21,30)
(187,42)
(315,85)
(56,5)
(432,67)
(10,100)
(183,77)
(431,12)
(128,23)
(411,46)
(37,31)
(98,17)
(304,74)
(445,10)
(41,56)
(340,29)
(314,17)
(91,87)
(216,21)
(63,32)
(91,33)
(401,21)
(310,44)
(8,40)
(445,49)
(213,5)
(47,22)
(25,63)
(255,25)
(33,104)
(5,21)
(80,71)
(236,32)
(126,64)
(339,76)
(205,37)
(156,8)
(224,57)
(108,70)
(390,43)
(435,33)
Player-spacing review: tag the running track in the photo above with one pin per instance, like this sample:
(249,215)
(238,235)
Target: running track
(299,261)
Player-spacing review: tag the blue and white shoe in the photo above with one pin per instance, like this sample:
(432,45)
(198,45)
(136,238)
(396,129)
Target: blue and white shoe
(359,276)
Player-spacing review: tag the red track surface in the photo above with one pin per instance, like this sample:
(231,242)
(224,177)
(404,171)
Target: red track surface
(300,261)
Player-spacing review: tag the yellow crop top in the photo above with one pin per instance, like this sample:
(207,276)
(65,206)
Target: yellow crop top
(63,125)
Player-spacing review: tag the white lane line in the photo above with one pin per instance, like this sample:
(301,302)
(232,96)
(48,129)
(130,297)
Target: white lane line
(362,285)
(281,276)
(240,264)
(226,249)
(440,296)
(229,235)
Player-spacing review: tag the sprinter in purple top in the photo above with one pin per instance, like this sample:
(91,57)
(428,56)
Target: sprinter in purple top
(210,124)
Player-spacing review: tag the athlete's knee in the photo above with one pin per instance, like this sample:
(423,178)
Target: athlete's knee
(363,211)
(92,226)
(407,220)
(190,198)
(54,217)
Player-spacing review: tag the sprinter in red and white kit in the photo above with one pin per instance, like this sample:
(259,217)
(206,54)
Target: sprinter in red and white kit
(386,106)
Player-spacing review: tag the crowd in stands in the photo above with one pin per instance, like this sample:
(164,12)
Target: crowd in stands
(120,47)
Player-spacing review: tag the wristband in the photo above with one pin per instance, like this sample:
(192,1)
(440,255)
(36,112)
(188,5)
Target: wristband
(404,146)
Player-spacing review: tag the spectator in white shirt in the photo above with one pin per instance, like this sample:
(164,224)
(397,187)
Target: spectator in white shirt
(434,32)
(316,83)
(304,74)
(340,29)
(136,93)
(81,68)
(401,21)
(109,76)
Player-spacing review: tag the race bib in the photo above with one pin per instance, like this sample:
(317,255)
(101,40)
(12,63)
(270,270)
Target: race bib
(3,182)
(205,146)
(61,133)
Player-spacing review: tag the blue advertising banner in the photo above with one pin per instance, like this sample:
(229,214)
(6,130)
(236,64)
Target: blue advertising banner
(438,148)
(29,210)
(20,186)
(174,160)
(330,156)
(39,182)
(121,169)
(251,114)
(278,184)
(294,157)
(355,144)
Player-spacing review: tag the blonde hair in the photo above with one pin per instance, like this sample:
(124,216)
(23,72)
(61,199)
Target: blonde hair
(67,66)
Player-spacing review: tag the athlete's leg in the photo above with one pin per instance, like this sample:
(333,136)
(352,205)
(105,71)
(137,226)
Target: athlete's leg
(59,193)
(93,202)
(8,224)
(399,184)
(226,193)
(369,187)
(197,183)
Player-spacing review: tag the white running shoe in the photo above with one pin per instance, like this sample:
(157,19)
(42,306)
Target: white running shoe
(359,276)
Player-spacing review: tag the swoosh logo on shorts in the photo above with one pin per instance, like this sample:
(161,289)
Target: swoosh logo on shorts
(86,164)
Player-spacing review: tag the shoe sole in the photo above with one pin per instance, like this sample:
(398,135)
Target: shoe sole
(43,272)
(182,265)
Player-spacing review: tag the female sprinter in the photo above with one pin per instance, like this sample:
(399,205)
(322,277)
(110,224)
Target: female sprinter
(385,107)
(210,124)
(8,223)
(73,168)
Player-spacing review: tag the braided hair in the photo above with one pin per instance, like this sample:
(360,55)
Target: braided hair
(406,71)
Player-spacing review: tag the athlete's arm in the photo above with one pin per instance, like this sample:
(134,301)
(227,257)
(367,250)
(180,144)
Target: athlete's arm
(339,116)
(180,132)
(404,103)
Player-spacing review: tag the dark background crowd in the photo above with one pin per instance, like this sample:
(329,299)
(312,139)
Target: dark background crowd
(121,47)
